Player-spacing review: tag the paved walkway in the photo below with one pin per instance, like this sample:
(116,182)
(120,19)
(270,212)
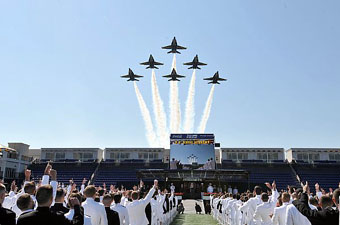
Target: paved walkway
(191,218)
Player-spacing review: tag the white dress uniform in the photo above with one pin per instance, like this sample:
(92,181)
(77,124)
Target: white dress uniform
(96,211)
(279,216)
(123,213)
(136,209)
(264,210)
(294,217)
(249,208)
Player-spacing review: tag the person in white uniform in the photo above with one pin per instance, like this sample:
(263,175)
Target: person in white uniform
(122,210)
(136,208)
(92,208)
(279,215)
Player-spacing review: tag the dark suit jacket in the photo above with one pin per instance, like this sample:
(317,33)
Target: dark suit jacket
(7,216)
(112,216)
(327,216)
(148,212)
(59,207)
(43,216)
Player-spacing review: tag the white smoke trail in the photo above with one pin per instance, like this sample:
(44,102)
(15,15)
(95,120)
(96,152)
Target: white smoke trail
(174,104)
(190,106)
(206,111)
(150,134)
(159,112)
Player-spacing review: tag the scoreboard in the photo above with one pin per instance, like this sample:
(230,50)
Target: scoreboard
(192,149)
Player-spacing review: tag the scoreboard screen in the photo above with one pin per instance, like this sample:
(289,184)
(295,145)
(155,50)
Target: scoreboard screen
(192,149)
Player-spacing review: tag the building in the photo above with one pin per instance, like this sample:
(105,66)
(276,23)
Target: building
(311,155)
(14,159)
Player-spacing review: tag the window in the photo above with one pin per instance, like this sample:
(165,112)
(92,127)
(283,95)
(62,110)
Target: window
(153,155)
(143,155)
(273,156)
(114,155)
(10,173)
(60,155)
(242,156)
(262,156)
(124,155)
(302,156)
(88,156)
(232,156)
(314,156)
(77,155)
(49,156)
(334,156)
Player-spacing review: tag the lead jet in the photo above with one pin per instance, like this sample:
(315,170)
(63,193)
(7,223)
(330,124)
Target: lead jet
(215,79)
(174,46)
(151,63)
(195,63)
(131,76)
(174,76)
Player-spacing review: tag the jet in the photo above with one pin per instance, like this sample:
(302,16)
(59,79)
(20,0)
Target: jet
(151,63)
(174,47)
(195,63)
(131,76)
(173,76)
(215,79)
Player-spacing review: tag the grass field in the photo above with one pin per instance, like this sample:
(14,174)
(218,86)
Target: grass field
(194,219)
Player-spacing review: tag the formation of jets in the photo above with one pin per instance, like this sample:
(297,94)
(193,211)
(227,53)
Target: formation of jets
(174,47)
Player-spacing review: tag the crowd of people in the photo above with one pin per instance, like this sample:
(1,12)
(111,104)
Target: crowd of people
(294,206)
(49,202)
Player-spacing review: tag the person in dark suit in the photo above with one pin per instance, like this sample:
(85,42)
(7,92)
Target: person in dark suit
(7,216)
(25,204)
(59,202)
(42,215)
(112,216)
(327,215)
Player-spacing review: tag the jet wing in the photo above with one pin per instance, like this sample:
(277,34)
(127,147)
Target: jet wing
(144,63)
(137,75)
(167,47)
(221,79)
(210,78)
(179,76)
(158,63)
(168,76)
(181,47)
(202,64)
(188,63)
(125,76)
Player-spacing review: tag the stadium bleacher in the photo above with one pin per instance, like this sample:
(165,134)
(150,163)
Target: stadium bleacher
(125,173)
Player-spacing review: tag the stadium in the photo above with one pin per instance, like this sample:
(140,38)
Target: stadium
(237,167)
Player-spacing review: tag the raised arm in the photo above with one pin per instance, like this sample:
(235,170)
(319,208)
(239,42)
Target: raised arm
(148,197)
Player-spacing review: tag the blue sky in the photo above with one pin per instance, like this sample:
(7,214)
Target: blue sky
(61,61)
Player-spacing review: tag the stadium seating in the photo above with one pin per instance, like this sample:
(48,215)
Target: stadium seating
(66,171)
(325,173)
(125,173)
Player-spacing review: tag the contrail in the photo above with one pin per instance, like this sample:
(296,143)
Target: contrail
(174,105)
(190,106)
(206,111)
(150,134)
(159,112)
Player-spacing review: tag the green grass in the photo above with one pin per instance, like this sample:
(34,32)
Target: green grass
(194,219)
